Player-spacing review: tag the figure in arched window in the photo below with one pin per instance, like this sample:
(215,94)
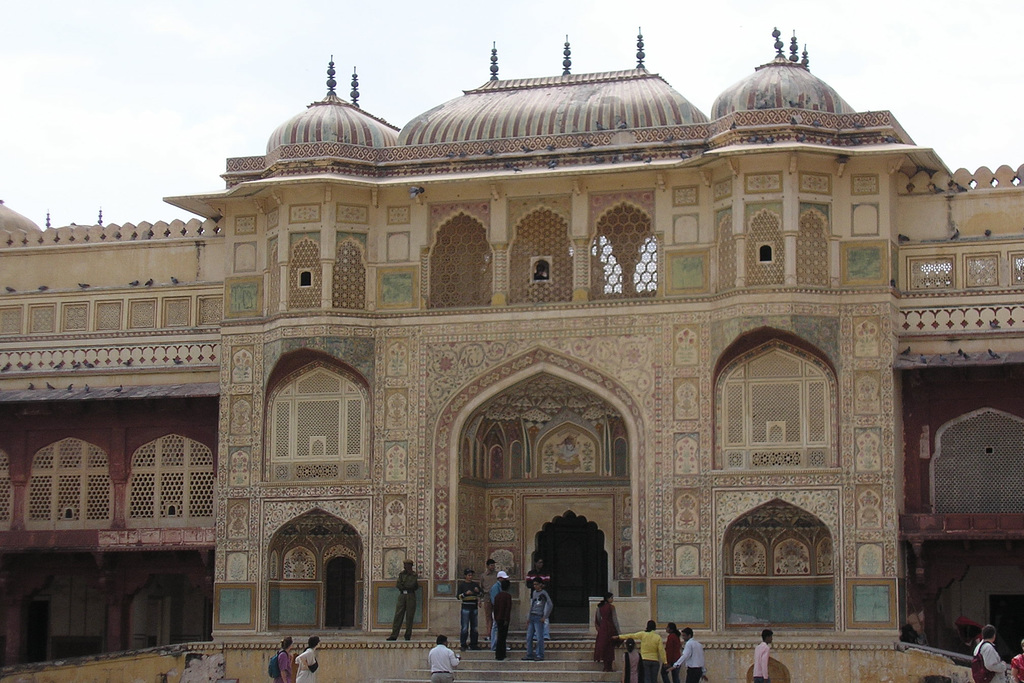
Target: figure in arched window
(541,271)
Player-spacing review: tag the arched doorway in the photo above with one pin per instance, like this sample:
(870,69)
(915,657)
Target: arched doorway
(574,555)
(315,573)
(340,593)
(540,446)
(779,568)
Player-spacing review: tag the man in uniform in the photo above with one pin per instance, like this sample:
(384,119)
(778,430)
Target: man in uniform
(407,584)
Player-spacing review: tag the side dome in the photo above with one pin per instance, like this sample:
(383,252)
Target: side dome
(332,119)
(781,84)
(12,220)
(571,103)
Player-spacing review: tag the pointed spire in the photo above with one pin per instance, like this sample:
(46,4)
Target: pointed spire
(354,95)
(778,43)
(793,49)
(640,48)
(566,63)
(48,226)
(804,61)
(99,221)
(494,61)
(330,77)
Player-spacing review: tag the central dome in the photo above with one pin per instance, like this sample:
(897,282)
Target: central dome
(571,103)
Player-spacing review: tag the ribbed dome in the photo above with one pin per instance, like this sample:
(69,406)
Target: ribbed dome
(12,220)
(780,84)
(573,103)
(333,120)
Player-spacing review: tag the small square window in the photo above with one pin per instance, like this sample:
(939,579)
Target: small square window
(306,279)
(764,253)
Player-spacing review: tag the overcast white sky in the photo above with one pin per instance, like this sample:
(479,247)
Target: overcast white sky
(116,104)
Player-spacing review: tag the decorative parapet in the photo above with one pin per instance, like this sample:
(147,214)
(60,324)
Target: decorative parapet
(113,233)
(104,360)
(946,320)
(962,180)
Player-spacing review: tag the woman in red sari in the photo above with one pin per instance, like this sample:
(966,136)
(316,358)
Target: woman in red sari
(607,625)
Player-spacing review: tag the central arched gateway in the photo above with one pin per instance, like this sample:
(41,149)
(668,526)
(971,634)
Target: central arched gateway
(545,464)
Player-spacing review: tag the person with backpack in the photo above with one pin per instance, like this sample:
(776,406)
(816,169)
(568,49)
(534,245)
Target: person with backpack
(280,666)
(987,662)
(306,664)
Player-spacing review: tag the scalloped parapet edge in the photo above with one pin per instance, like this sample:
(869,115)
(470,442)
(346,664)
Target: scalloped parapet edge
(962,180)
(113,233)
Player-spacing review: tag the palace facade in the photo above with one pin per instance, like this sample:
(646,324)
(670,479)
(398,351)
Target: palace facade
(753,367)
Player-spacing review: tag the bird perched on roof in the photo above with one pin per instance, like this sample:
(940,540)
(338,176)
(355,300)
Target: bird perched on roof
(50,386)
(905,352)
(902,238)
(992,354)
(621,125)
(174,280)
(5,368)
(994,324)
(43,288)
(10,289)
(149,282)
(83,285)
(31,386)
(134,283)
(955,235)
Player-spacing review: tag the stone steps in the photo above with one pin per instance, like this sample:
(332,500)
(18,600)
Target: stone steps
(564,662)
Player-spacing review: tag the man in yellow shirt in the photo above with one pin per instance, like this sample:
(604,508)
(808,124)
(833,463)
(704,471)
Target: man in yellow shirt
(652,650)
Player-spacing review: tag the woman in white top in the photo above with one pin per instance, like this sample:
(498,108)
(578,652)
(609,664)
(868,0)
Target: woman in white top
(306,664)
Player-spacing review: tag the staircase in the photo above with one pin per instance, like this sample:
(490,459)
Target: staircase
(564,662)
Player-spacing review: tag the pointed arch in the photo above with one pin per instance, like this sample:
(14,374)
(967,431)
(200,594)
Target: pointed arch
(69,487)
(624,254)
(171,483)
(969,448)
(461,264)
(317,420)
(453,418)
(772,572)
(541,233)
(775,406)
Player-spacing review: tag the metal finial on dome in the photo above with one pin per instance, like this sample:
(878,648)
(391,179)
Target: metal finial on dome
(640,48)
(778,43)
(494,61)
(566,63)
(793,49)
(331,83)
(354,95)
(804,61)
(99,221)
(48,226)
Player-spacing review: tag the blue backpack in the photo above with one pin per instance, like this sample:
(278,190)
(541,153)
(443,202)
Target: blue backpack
(274,666)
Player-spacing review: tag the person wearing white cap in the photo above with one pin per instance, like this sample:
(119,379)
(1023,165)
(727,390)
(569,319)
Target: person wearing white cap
(502,616)
(492,593)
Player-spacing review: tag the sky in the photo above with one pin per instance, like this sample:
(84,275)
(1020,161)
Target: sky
(114,104)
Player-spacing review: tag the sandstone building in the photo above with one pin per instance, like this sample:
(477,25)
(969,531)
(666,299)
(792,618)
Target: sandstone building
(757,366)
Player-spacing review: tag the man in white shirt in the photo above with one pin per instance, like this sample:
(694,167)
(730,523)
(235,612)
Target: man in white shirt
(442,662)
(692,657)
(989,655)
(761,655)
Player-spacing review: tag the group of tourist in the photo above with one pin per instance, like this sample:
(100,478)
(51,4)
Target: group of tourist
(679,652)
(301,668)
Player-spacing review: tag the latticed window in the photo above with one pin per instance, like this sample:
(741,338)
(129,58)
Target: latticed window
(623,255)
(5,489)
(972,470)
(69,487)
(765,230)
(812,248)
(172,480)
(349,290)
(775,412)
(541,233)
(461,265)
(318,428)
(726,252)
(305,279)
